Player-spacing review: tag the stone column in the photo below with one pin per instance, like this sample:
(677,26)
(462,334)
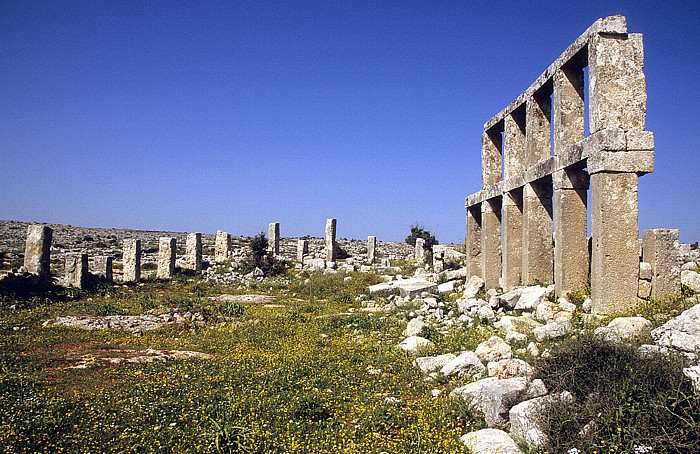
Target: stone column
(491,146)
(273,235)
(514,143)
(569,115)
(193,252)
(538,254)
(660,248)
(37,252)
(571,261)
(617,86)
(512,236)
(615,251)
(166,258)
(302,250)
(491,242)
(474,241)
(538,130)
(131,260)
(419,251)
(76,270)
(330,240)
(371,249)
(222,246)
(103,268)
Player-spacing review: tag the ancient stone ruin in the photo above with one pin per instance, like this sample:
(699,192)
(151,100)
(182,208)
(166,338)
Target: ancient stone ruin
(532,187)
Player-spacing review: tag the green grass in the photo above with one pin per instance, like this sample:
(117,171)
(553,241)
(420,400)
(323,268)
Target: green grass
(312,376)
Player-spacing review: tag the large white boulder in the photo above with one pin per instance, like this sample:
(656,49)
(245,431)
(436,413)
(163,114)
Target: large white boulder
(493,349)
(415,344)
(429,364)
(467,364)
(682,332)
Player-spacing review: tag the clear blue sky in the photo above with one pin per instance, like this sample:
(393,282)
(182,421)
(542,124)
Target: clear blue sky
(198,116)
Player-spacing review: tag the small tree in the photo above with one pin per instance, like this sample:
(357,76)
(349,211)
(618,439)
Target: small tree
(417,231)
(260,257)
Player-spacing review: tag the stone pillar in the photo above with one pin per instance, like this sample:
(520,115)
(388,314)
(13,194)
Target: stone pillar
(617,86)
(615,249)
(330,240)
(571,261)
(193,252)
(538,130)
(491,146)
(222,246)
(166,258)
(371,249)
(491,242)
(660,248)
(438,254)
(76,270)
(419,251)
(131,260)
(569,118)
(302,250)
(273,235)
(37,252)
(103,268)
(512,236)
(514,143)
(474,241)
(538,254)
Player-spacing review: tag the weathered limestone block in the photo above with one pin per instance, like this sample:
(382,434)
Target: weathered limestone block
(491,242)
(438,255)
(538,254)
(330,240)
(617,86)
(661,250)
(514,143)
(302,250)
(37,252)
(639,162)
(569,116)
(166,258)
(131,260)
(371,249)
(538,129)
(615,251)
(490,441)
(491,145)
(474,241)
(103,268)
(222,246)
(512,237)
(571,262)
(273,238)
(76,270)
(193,252)
(420,253)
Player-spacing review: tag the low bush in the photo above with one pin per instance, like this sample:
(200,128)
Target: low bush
(625,401)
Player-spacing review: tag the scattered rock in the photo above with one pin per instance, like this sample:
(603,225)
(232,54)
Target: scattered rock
(490,441)
(472,287)
(467,364)
(493,349)
(415,344)
(415,327)
(428,364)
(682,332)
(691,279)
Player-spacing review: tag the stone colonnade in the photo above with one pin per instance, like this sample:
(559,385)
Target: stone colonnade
(528,223)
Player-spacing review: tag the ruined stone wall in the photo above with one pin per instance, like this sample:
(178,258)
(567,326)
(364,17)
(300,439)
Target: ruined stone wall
(528,223)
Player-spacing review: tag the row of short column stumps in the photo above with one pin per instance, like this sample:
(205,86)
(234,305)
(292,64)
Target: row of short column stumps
(37,255)
(528,223)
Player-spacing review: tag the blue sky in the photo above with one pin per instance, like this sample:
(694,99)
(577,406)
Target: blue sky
(198,116)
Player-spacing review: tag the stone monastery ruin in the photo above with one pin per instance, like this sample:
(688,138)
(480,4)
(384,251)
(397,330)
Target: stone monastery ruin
(529,222)
(531,186)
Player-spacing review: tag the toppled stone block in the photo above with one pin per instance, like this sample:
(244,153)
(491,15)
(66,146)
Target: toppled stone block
(415,344)
(473,286)
(490,441)
(493,349)
(553,330)
(682,332)
(467,364)
(510,368)
(525,416)
(428,364)
(691,279)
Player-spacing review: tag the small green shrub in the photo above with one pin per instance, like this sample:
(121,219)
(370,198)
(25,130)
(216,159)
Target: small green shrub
(417,231)
(623,399)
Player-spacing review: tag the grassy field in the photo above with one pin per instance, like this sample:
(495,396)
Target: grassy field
(314,375)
